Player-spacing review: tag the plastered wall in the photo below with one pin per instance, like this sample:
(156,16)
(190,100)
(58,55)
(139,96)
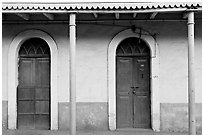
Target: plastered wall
(92,44)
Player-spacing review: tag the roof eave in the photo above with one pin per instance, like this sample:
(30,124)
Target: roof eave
(167,10)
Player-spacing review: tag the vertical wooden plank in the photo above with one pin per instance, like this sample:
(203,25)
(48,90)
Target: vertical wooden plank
(142,93)
(25,95)
(42,93)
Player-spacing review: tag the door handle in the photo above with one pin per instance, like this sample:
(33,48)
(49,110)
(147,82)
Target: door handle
(134,87)
(133,92)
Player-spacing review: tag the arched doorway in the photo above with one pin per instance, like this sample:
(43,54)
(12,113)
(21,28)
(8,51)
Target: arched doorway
(133,108)
(154,77)
(33,92)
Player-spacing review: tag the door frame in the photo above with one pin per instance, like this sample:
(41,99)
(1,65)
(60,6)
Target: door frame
(154,77)
(13,75)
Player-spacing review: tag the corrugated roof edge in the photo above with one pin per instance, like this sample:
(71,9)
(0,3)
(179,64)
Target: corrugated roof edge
(97,5)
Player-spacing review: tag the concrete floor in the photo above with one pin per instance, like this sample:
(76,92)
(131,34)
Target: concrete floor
(91,132)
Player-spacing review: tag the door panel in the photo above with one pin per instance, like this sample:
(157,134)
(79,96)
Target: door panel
(26,93)
(42,72)
(26,107)
(33,100)
(26,122)
(141,65)
(42,107)
(42,121)
(42,93)
(124,98)
(142,93)
(26,72)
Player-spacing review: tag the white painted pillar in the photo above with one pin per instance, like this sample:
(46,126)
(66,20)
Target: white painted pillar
(72,36)
(191,75)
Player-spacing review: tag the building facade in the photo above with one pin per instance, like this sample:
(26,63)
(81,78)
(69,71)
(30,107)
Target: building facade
(131,65)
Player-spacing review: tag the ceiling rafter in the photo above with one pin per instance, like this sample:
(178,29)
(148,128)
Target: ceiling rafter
(49,16)
(95,15)
(134,15)
(23,16)
(185,15)
(153,15)
(117,15)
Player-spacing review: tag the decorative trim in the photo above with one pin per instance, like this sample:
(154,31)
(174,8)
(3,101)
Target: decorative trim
(98,6)
(13,75)
(154,77)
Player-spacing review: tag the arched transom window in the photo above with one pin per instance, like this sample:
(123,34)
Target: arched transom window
(34,47)
(132,47)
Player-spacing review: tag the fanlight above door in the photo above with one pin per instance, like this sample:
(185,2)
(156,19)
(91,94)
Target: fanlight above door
(132,46)
(34,47)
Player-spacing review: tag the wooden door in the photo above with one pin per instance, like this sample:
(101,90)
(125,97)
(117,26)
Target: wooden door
(33,95)
(133,85)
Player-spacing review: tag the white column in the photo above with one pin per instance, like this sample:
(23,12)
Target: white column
(72,36)
(191,75)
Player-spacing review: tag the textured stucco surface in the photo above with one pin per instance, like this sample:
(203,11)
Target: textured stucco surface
(90,116)
(4,114)
(174,117)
